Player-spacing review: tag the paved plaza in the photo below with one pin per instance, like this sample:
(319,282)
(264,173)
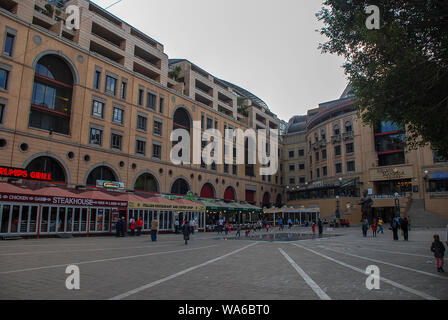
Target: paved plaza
(210,268)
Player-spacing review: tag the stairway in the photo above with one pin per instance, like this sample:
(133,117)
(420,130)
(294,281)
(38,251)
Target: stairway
(424,219)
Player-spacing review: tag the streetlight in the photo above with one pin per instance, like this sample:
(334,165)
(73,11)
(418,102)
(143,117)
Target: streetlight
(338,212)
(397,204)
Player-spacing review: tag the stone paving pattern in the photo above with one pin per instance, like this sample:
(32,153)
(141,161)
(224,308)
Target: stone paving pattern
(35,268)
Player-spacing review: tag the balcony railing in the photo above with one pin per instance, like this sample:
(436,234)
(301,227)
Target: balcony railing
(336,138)
(348,135)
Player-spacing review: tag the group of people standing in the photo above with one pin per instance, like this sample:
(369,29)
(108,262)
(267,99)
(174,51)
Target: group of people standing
(121,227)
(320,226)
(397,224)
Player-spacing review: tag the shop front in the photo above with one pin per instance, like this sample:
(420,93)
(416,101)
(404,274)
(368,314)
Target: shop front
(166,211)
(27,211)
(299,216)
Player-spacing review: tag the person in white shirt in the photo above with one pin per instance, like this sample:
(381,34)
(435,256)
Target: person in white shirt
(192,226)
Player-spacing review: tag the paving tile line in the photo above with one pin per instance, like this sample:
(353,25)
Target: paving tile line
(104,260)
(386,251)
(393,283)
(386,263)
(81,250)
(310,282)
(178,274)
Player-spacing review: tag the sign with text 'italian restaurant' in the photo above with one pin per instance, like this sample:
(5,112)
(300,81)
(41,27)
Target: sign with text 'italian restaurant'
(18,173)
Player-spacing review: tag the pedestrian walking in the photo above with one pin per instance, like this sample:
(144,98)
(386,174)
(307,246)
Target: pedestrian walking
(226,229)
(365,227)
(313,227)
(289,223)
(409,223)
(380,226)
(438,249)
(267,227)
(281,223)
(118,228)
(123,225)
(176,226)
(404,225)
(132,225)
(238,231)
(221,226)
(320,227)
(192,226)
(395,227)
(139,226)
(186,232)
(154,230)
(374,228)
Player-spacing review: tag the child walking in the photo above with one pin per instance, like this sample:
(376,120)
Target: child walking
(439,252)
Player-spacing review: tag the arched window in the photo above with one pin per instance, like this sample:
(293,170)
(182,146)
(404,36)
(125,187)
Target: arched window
(348,126)
(101,173)
(182,119)
(147,183)
(180,187)
(208,191)
(48,165)
(229,194)
(51,101)
(336,129)
(267,200)
(323,134)
(279,200)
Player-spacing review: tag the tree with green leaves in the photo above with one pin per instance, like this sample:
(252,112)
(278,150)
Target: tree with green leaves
(398,72)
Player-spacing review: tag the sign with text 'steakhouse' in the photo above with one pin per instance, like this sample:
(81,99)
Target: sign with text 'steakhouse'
(24,174)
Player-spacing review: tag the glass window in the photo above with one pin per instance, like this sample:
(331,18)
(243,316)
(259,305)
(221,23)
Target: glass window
(157,128)
(9,44)
(292,167)
(292,180)
(350,148)
(142,123)
(140,97)
(123,91)
(391,159)
(337,150)
(209,123)
(97,80)
(157,151)
(141,147)
(348,127)
(301,153)
(291,154)
(324,171)
(151,103)
(338,168)
(96,136)
(351,166)
(392,142)
(4,79)
(118,115)
(235,170)
(301,166)
(111,85)
(317,156)
(318,173)
(161,104)
(116,141)
(2,111)
(324,154)
(98,109)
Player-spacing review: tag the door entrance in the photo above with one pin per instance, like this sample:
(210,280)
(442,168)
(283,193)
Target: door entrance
(386,214)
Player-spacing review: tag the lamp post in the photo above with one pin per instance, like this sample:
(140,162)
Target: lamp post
(338,212)
(425,188)
(397,205)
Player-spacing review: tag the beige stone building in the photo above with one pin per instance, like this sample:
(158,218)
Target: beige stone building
(100,103)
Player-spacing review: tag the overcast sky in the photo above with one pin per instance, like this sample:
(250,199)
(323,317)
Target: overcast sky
(268,47)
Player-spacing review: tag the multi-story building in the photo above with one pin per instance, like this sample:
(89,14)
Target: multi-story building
(343,158)
(99,103)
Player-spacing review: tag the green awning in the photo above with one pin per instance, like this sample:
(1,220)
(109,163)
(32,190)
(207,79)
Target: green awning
(218,205)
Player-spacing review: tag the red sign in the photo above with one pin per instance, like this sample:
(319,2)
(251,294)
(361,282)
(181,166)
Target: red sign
(24,174)
(62,201)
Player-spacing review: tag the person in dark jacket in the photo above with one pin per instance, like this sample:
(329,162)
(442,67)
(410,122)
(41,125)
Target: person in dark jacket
(123,225)
(321,227)
(438,249)
(404,225)
(186,232)
(118,227)
(395,226)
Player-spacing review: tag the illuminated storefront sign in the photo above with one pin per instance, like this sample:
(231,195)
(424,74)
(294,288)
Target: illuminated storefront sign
(110,185)
(439,175)
(24,174)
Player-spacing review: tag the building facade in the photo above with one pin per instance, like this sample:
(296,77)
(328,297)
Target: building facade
(99,104)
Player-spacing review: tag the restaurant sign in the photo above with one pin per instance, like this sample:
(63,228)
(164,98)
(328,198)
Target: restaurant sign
(110,185)
(391,173)
(24,174)
(162,206)
(61,201)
